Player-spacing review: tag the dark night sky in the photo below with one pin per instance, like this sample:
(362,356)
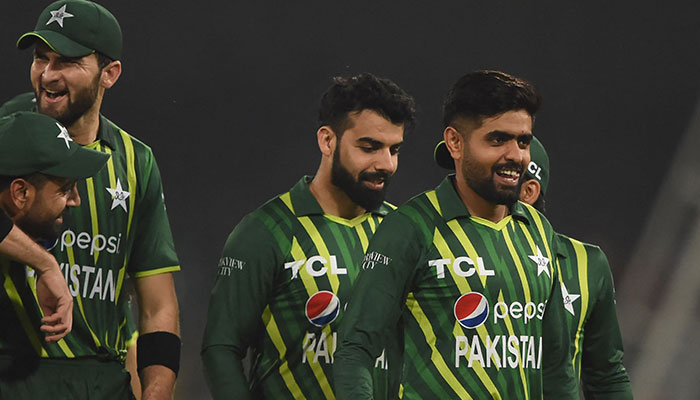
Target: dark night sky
(226,95)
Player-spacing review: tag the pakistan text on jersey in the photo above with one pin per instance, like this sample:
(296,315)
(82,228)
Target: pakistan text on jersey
(499,352)
(320,347)
(87,281)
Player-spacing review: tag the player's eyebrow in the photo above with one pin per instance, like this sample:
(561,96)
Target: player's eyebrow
(505,136)
(372,142)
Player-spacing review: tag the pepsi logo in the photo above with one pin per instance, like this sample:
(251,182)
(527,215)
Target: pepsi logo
(471,309)
(322,308)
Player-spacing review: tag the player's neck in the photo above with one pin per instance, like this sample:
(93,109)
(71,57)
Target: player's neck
(477,205)
(84,130)
(331,198)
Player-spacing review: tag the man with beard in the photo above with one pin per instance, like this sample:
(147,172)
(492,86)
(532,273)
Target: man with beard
(38,171)
(589,299)
(286,270)
(122,226)
(465,268)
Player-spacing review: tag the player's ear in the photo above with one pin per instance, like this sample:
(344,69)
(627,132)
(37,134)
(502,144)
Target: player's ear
(110,74)
(454,142)
(22,193)
(530,191)
(326,140)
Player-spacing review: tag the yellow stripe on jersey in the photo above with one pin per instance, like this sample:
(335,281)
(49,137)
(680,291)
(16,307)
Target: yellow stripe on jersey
(321,248)
(497,226)
(435,356)
(363,236)
(78,298)
(540,228)
(434,201)
(518,266)
(372,225)
(479,368)
(311,289)
(348,222)
(20,311)
(511,332)
(276,337)
(94,221)
(31,280)
(131,179)
(463,286)
(582,263)
(110,168)
(287,200)
(157,271)
(456,228)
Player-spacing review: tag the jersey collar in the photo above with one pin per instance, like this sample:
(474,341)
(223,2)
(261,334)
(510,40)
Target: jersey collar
(107,133)
(452,206)
(305,203)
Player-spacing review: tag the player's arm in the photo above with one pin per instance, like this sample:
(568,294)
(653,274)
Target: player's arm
(54,298)
(151,264)
(558,380)
(602,373)
(159,347)
(377,300)
(244,282)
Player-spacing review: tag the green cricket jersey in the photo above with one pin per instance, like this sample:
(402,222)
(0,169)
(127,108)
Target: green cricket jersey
(472,297)
(589,301)
(283,281)
(120,228)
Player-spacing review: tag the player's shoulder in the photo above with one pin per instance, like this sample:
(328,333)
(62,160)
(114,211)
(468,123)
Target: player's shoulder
(533,215)
(594,254)
(119,134)
(22,102)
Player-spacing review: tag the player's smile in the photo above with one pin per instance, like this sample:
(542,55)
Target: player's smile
(507,175)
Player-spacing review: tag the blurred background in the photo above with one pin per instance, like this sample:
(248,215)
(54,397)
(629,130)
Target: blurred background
(226,95)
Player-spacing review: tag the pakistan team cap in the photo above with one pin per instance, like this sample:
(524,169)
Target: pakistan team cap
(442,156)
(32,142)
(539,164)
(76,28)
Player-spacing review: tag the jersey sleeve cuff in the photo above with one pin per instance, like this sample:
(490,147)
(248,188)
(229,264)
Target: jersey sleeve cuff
(158,271)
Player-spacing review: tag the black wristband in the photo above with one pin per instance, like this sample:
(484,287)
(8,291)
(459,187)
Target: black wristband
(5,225)
(158,348)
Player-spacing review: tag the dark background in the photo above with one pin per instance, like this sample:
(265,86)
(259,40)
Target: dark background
(226,95)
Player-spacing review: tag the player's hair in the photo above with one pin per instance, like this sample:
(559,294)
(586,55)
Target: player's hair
(37,179)
(365,92)
(539,204)
(102,60)
(486,93)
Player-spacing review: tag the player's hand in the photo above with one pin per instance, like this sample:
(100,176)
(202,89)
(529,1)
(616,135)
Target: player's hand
(56,303)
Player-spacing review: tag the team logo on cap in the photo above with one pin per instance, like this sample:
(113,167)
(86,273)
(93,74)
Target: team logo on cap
(58,15)
(63,134)
(471,309)
(322,308)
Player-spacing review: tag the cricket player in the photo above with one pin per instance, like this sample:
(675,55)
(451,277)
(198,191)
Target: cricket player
(286,270)
(56,303)
(589,299)
(38,171)
(465,268)
(121,228)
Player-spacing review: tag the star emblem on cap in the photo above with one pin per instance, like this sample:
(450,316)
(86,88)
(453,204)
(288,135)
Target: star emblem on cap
(119,196)
(58,15)
(541,262)
(64,134)
(568,299)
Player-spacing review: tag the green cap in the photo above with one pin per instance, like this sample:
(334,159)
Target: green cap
(442,156)
(539,164)
(31,142)
(76,28)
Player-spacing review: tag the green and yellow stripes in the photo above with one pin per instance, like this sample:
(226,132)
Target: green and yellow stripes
(582,267)
(131,179)
(435,356)
(273,332)
(16,300)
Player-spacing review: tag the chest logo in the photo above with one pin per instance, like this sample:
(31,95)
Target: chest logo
(569,299)
(119,196)
(322,308)
(58,16)
(541,262)
(471,310)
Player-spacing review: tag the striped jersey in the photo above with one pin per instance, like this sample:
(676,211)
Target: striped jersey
(282,285)
(472,298)
(120,228)
(589,304)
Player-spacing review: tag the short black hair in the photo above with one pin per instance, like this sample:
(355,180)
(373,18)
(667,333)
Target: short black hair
(487,93)
(102,60)
(37,179)
(540,203)
(365,92)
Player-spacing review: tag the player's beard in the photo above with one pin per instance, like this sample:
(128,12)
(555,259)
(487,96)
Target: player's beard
(481,182)
(356,190)
(78,103)
(43,229)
